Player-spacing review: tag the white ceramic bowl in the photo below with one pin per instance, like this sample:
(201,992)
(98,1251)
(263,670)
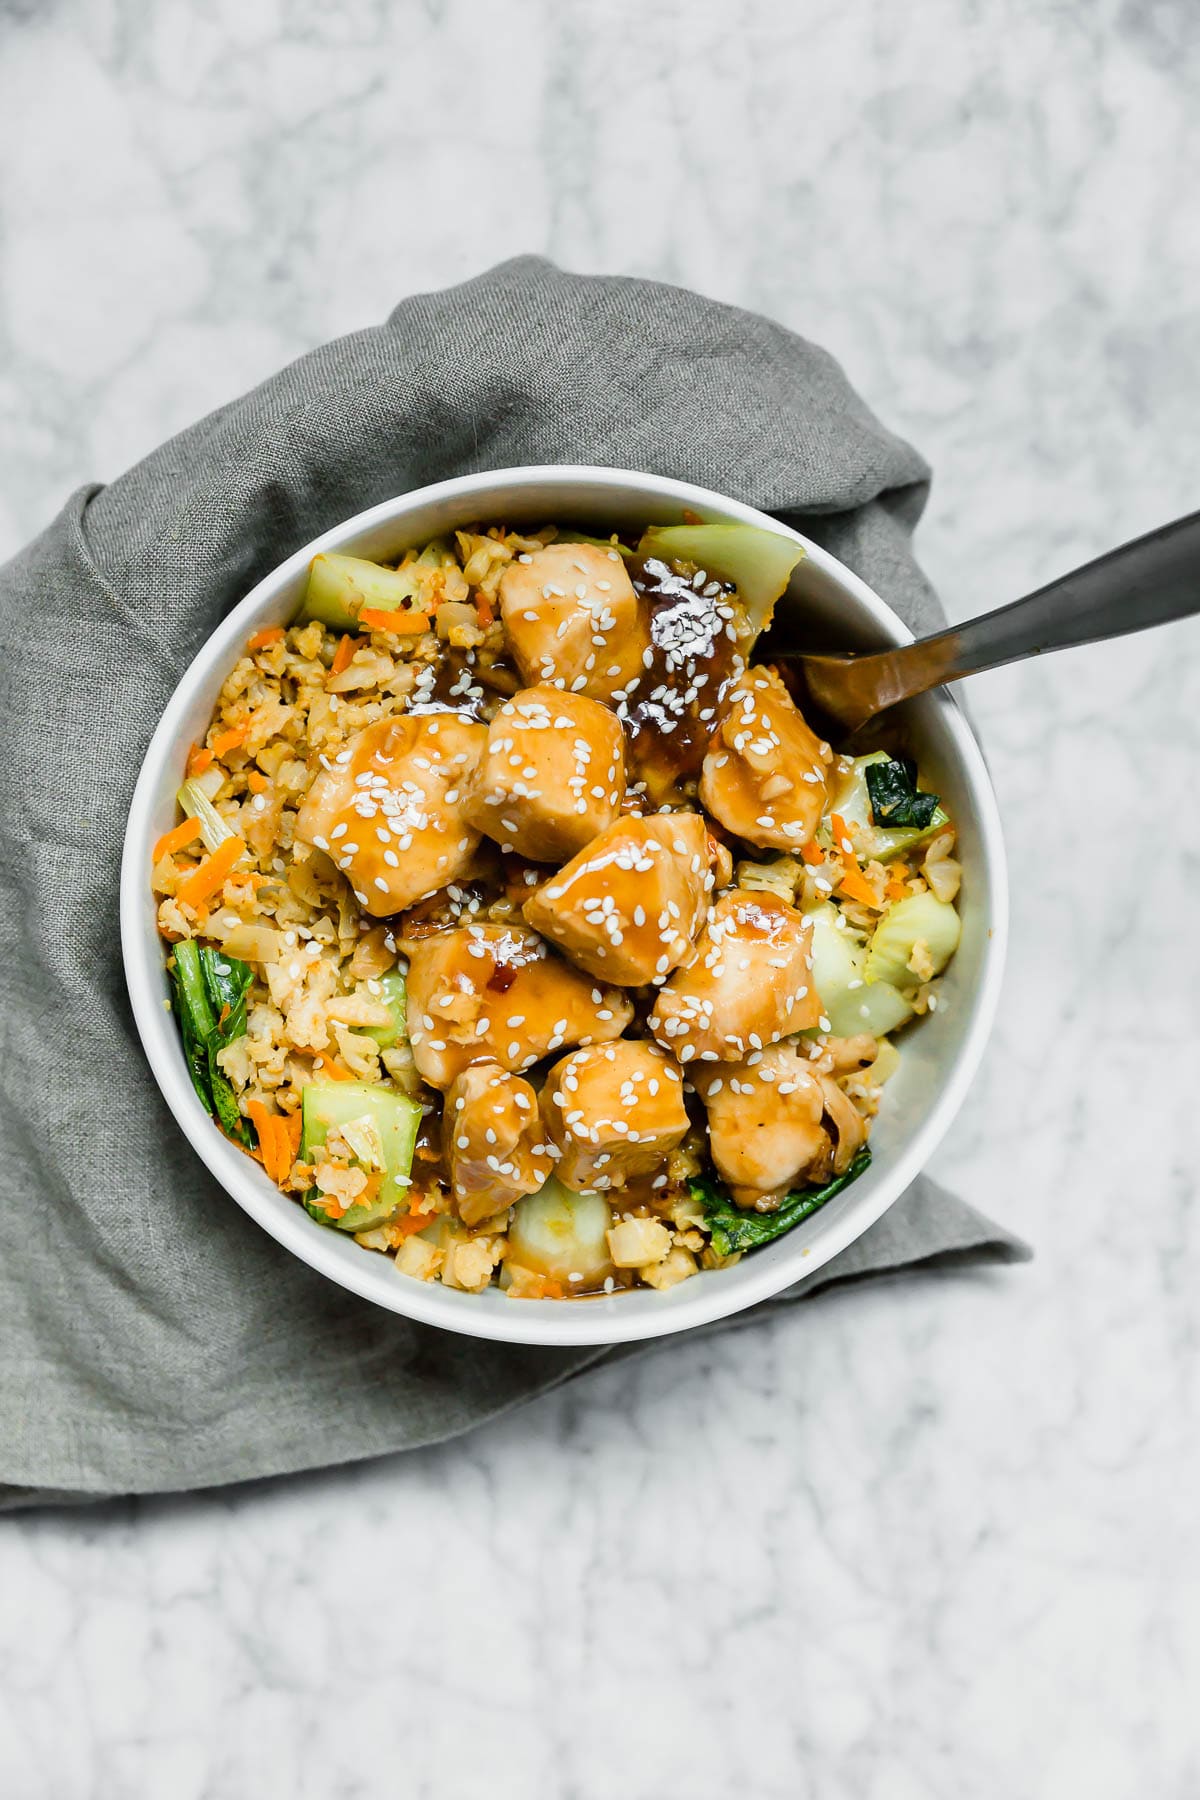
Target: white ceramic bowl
(940,1052)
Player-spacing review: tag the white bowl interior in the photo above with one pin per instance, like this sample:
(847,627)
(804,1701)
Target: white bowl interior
(939,1053)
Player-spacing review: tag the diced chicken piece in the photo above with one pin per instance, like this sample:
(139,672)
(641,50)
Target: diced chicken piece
(764,1122)
(573,619)
(498,993)
(749,983)
(494,1141)
(629,906)
(615,1112)
(390,810)
(764,776)
(552,776)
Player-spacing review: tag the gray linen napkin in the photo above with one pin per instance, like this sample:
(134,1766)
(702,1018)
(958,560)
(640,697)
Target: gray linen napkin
(152,1338)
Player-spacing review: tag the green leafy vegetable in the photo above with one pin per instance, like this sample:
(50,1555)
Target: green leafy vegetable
(734,1229)
(895,797)
(851,800)
(210,1004)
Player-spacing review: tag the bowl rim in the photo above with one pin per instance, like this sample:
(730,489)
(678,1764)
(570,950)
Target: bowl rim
(544,1322)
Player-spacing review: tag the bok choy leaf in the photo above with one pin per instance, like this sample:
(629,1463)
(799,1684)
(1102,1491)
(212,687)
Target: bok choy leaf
(895,797)
(734,1228)
(210,1003)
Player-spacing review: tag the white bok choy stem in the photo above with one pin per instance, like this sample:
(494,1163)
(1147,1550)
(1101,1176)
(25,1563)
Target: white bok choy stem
(758,562)
(197,805)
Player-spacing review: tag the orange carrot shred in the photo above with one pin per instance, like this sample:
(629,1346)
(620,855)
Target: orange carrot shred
(344,654)
(199,759)
(839,828)
(812,853)
(177,838)
(855,883)
(484,611)
(209,878)
(268,1141)
(413,1220)
(291,1126)
(257,782)
(261,639)
(331,1068)
(331,1205)
(401,624)
(229,740)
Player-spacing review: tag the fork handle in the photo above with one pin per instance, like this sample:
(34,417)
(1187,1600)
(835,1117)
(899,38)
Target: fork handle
(1150,581)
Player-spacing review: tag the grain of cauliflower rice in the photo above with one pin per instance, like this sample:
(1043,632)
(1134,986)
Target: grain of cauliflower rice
(521,926)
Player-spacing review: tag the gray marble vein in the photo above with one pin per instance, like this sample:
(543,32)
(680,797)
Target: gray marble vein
(931,1541)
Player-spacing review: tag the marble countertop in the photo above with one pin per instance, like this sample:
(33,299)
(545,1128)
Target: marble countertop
(933,1540)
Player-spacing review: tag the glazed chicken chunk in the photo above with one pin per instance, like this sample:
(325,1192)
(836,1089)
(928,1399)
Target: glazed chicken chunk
(497,993)
(552,775)
(390,810)
(764,1122)
(628,907)
(749,984)
(574,621)
(773,1120)
(493,1141)
(764,776)
(614,1112)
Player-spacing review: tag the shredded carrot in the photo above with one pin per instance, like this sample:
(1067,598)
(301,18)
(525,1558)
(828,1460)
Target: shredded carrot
(224,1013)
(209,877)
(257,782)
(897,875)
(291,1126)
(812,853)
(855,883)
(229,740)
(839,828)
(177,838)
(414,1220)
(199,759)
(261,639)
(401,624)
(272,1141)
(484,611)
(369,1193)
(329,1203)
(551,1290)
(281,1150)
(333,1069)
(344,654)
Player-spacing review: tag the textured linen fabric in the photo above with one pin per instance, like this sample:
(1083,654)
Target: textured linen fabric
(152,1337)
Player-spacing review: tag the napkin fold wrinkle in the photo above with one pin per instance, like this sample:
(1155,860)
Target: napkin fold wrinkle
(152,1337)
